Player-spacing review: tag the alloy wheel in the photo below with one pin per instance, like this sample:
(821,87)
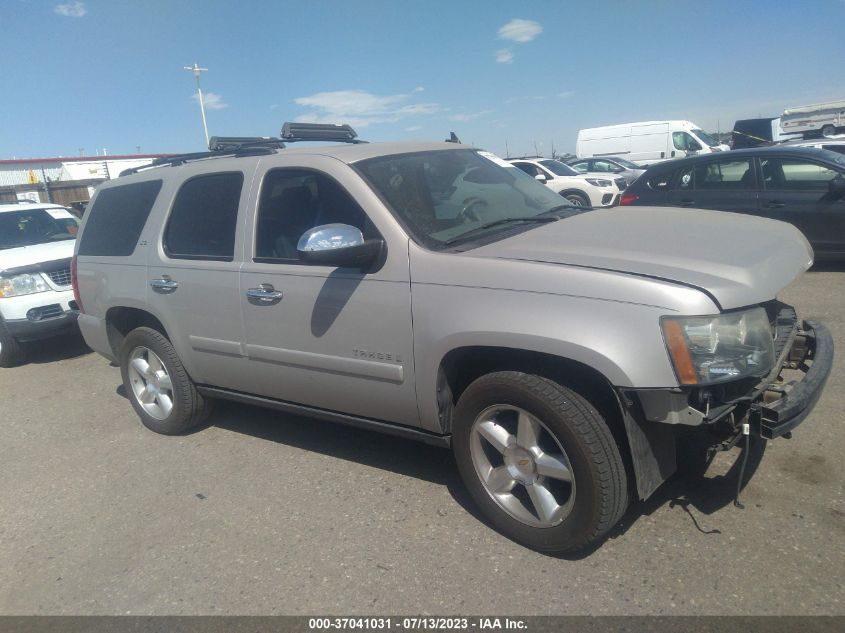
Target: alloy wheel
(522,466)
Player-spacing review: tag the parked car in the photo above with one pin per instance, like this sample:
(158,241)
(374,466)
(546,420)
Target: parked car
(823,119)
(834,143)
(607,165)
(434,292)
(803,186)
(579,189)
(646,142)
(36,299)
(758,133)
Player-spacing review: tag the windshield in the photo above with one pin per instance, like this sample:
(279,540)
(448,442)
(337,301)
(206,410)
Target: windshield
(558,168)
(36,226)
(447,195)
(626,163)
(704,136)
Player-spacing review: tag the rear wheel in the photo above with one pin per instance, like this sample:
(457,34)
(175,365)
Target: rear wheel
(539,461)
(577,199)
(828,130)
(11,352)
(157,385)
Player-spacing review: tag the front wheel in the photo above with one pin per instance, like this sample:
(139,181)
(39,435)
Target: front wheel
(11,353)
(577,199)
(539,461)
(828,130)
(157,385)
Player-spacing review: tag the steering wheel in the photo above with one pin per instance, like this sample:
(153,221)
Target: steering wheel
(474,210)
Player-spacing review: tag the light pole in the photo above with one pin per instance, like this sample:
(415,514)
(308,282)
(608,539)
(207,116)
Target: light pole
(197,71)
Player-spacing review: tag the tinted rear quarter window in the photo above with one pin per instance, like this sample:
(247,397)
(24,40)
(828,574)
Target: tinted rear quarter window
(204,217)
(117,218)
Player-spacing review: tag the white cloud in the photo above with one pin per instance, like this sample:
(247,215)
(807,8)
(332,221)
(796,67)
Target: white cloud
(360,108)
(413,128)
(212,101)
(420,88)
(469,116)
(274,106)
(71,9)
(520,30)
(504,56)
(566,94)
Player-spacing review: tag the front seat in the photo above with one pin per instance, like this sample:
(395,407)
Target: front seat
(296,215)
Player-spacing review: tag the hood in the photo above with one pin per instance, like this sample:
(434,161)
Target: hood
(36,254)
(738,260)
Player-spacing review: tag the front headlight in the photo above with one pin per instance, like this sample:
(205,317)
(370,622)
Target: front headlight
(599,182)
(22,285)
(711,349)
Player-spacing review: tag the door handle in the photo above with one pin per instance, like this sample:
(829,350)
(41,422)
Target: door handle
(165,285)
(774,204)
(264,295)
(687,203)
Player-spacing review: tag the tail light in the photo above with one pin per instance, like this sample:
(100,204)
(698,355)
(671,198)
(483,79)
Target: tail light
(628,199)
(75,283)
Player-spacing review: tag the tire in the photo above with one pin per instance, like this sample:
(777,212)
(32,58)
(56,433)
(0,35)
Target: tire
(828,130)
(577,199)
(11,352)
(522,489)
(148,365)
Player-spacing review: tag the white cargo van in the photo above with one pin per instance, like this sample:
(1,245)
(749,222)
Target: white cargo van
(646,142)
(820,117)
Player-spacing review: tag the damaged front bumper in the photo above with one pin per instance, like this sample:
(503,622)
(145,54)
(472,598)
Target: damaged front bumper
(774,405)
(771,407)
(784,404)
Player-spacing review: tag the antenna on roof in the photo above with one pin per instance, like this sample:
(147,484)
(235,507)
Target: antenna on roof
(453,138)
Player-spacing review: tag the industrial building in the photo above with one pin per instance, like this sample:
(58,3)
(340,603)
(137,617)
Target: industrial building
(63,180)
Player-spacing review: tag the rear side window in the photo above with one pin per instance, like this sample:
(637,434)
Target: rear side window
(117,218)
(204,217)
(660,181)
(733,174)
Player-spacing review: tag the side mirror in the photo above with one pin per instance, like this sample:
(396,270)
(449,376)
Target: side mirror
(540,178)
(618,170)
(338,245)
(694,147)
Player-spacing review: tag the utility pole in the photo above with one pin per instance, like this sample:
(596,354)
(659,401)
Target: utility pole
(197,72)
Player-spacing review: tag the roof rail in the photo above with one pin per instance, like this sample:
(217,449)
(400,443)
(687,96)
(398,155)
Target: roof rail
(233,143)
(294,132)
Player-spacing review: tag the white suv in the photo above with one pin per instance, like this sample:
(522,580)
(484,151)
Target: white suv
(36,298)
(579,189)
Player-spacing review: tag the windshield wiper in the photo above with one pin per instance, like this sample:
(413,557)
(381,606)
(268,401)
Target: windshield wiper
(564,207)
(499,222)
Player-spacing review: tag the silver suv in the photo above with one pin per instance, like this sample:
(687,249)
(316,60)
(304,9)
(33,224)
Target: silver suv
(434,291)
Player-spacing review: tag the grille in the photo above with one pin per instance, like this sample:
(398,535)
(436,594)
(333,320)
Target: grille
(60,277)
(620,182)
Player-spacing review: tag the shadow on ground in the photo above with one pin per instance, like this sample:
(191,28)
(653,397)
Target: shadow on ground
(704,494)
(54,349)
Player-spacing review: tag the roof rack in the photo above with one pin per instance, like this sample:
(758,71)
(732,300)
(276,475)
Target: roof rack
(236,143)
(295,132)
(220,146)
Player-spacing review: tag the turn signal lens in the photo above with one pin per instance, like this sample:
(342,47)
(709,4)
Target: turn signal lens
(676,342)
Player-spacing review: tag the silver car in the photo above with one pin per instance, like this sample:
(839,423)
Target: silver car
(607,165)
(433,291)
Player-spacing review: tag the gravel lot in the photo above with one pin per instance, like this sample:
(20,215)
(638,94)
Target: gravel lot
(265,514)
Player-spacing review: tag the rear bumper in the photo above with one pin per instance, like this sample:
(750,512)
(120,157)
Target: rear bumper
(812,354)
(25,330)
